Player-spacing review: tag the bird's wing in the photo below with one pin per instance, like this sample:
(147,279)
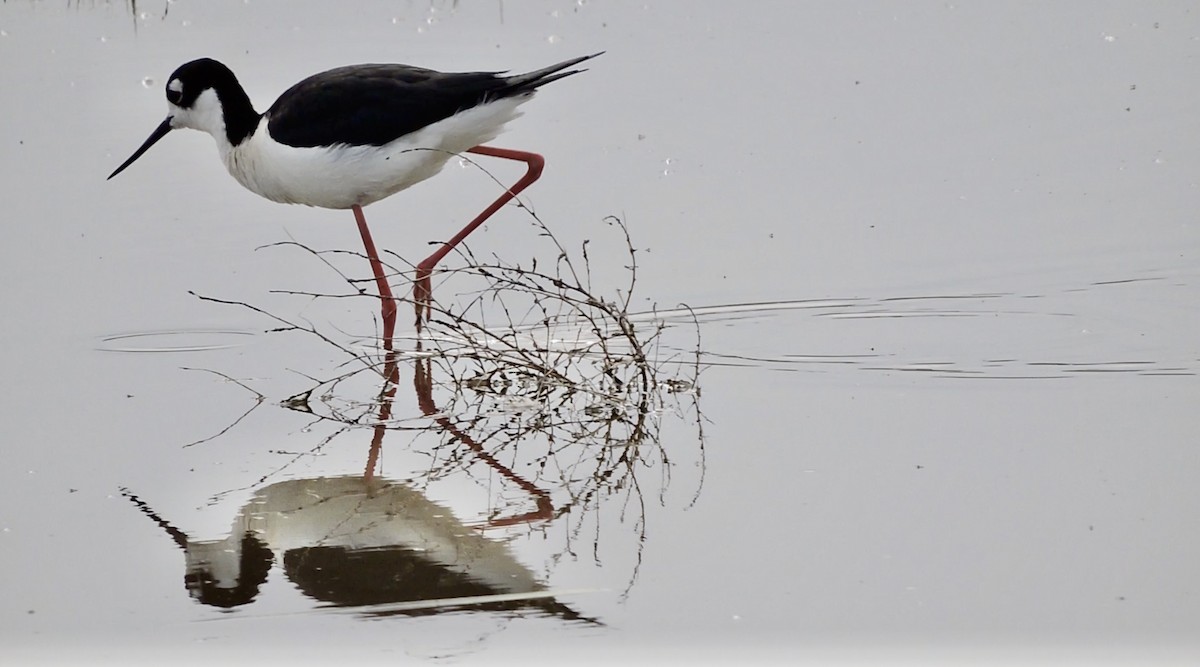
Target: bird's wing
(374,104)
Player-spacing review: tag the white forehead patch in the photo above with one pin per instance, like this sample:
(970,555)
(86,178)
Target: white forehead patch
(175,86)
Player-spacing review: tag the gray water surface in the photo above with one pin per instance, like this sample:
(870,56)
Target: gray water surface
(939,260)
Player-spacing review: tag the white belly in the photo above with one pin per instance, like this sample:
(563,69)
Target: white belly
(342,176)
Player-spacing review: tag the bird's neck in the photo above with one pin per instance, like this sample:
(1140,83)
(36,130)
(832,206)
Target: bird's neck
(239,115)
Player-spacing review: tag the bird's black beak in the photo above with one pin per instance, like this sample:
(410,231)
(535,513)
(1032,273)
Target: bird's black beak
(158,133)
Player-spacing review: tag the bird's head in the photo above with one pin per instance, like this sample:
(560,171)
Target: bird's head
(202,95)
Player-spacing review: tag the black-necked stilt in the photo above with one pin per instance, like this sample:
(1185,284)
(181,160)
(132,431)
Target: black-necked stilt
(353,135)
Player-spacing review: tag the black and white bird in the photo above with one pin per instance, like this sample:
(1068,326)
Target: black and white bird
(353,135)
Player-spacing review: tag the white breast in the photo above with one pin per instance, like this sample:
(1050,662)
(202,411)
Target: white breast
(341,176)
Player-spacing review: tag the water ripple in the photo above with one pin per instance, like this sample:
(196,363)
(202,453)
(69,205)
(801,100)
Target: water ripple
(1073,331)
(179,340)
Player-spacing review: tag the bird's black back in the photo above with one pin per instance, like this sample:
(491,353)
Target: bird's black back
(371,105)
(375,104)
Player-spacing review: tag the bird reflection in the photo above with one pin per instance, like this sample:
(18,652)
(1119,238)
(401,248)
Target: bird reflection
(353,542)
(365,542)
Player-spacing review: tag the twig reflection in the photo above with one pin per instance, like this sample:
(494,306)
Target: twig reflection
(560,415)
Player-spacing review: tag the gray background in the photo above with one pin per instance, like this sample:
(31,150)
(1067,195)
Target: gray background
(944,256)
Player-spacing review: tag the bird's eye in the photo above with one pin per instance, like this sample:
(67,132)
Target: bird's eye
(175,91)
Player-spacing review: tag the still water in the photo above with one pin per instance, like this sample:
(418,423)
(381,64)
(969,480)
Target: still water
(832,332)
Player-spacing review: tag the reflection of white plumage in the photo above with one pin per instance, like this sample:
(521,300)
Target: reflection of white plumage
(349,542)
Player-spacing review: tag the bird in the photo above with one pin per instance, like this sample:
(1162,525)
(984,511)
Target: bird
(351,136)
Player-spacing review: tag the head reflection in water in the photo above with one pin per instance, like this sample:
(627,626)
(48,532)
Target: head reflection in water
(224,577)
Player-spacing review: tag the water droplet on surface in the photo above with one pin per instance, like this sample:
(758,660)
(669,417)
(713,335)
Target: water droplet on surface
(186,23)
(1108,38)
(103,39)
(148,82)
(554,39)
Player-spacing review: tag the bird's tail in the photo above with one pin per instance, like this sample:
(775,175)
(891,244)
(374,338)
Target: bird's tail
(525,83)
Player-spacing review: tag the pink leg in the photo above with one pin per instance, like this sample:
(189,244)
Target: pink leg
(385,291)
(391,373)
(422,291)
